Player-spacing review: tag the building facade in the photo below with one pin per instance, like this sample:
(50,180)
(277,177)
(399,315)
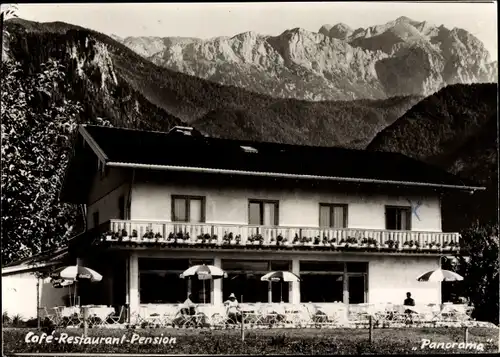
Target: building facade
(357,227)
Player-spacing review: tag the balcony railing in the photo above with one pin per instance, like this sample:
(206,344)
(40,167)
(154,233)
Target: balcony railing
(245,235)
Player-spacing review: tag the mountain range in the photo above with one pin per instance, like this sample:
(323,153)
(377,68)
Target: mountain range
(454,128)
(113,82)
(401,57)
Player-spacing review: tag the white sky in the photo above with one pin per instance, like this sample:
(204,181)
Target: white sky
(205,20)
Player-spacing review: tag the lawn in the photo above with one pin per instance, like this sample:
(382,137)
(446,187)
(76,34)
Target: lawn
(258,342)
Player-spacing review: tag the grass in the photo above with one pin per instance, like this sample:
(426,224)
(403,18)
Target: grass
(275,341)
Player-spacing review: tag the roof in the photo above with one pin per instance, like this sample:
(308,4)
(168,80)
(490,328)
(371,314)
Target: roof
(183,149)
(36,262)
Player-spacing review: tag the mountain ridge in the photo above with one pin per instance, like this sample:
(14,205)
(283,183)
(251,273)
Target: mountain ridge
(401,57)
(118,84)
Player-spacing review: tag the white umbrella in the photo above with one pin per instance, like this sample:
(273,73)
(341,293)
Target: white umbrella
(280,276)
(204,272)
(78,272)
(439,275)
(74,273)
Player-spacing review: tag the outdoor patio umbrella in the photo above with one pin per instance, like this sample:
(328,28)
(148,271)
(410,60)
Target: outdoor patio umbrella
(439,275)
(204,272)
(280,276)
(74,273)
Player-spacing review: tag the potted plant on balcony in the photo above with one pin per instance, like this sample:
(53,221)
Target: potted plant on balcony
(452,246)
(148,236)
(171,238)
(317,240)
(179,237)
(124,235)
(237,239)
(279,239)
(332,242)
(406,245)
(272,241)
(296,239)
(446,246)
(342,243)
(260,239)
(214,239)
(438,246)
(158,237)
(352,242)
(324,241)
(364,242)
(110,236)
(390,244)
(134,233)
(372,243)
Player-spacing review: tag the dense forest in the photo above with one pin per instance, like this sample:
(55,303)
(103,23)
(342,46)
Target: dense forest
(455,129)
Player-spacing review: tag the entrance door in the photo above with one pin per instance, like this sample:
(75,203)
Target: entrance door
(357,289)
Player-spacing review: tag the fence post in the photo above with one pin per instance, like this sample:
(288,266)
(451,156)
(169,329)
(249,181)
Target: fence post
(370,329)
(242,323)
(85,320)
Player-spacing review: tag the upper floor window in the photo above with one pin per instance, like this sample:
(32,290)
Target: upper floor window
(188,209)
(333,215)
(263,213)
(398,218)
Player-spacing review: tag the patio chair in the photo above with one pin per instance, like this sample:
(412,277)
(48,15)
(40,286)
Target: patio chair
(114,318)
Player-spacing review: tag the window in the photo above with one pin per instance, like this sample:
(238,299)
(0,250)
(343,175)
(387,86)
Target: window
(188,209)
(398,218)
(95,219)
(121,207)
(159,281)
(263,213)
(332,215)
(244,280)
(339,281)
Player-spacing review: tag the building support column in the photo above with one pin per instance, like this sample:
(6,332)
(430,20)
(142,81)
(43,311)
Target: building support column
(134,286)
(295,286)
(345,285)
(216,294)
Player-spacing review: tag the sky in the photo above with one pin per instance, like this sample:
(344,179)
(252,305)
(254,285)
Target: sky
(206,20)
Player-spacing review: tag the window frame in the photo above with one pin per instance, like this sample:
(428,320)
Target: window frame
(188,199)
(400,208)
(345,206)
(261,210)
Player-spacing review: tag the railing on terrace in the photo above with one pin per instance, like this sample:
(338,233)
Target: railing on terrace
(224,234)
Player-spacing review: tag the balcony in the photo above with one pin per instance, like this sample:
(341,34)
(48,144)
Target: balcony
(234,236)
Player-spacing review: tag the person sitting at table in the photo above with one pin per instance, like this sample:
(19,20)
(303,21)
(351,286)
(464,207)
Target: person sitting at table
(233,309)
(409,302)
(188,307)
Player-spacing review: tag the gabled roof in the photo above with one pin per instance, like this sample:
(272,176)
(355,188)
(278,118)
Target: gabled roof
(183,149)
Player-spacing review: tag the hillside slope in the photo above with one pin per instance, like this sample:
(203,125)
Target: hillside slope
(455,129)
(401,57)
(117,84)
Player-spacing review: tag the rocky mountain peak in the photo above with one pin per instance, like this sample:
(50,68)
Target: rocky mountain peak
(400,57)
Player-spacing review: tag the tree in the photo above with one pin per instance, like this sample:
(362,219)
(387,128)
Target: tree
(478,264)
(37,123)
